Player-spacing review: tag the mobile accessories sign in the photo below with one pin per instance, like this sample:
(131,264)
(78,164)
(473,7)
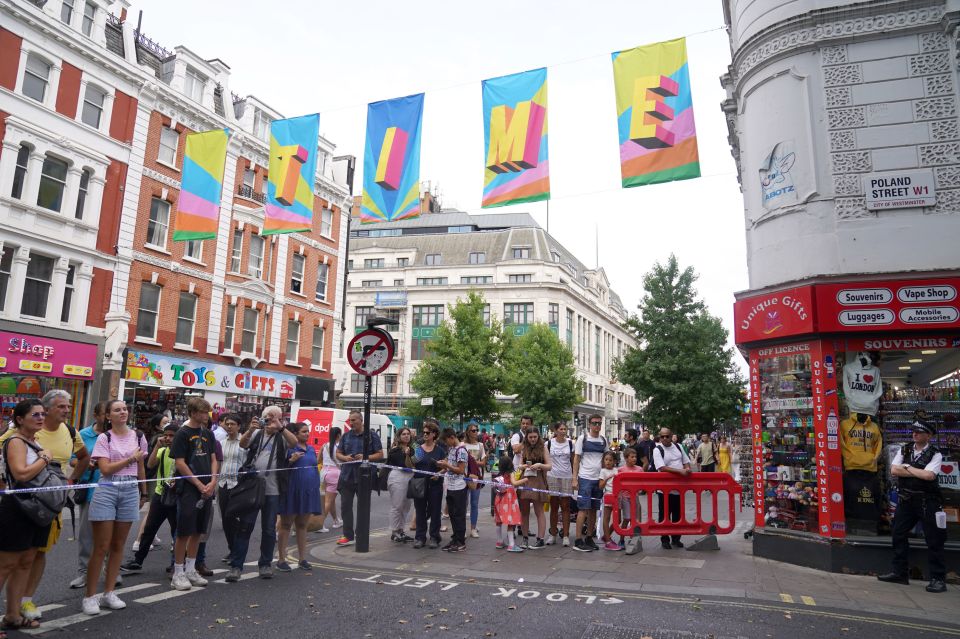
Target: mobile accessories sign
(899,189)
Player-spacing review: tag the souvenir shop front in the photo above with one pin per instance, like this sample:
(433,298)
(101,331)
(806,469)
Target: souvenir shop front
(31,365)
(839,371)
(154,383)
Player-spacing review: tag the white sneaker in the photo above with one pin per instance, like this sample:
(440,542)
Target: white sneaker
(180,582)
(550,540)
(91,605)
(112,601)
(79,581)
(195,579)
(136,546)
(566,542)
(337,523)
(324,530)
(475,533)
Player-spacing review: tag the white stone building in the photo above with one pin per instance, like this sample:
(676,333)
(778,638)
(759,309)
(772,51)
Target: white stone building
(413,269)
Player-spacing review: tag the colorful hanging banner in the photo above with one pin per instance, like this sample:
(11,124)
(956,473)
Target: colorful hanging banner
(292,171)
(391,160)
(515,139)
(658,138)
(198,207)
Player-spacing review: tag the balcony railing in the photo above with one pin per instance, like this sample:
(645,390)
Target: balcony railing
(248,192)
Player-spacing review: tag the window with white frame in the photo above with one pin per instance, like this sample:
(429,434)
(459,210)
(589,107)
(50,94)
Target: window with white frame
(228,326)
(521,253)
(376,262)
(6,264)
(520,279)
(193,250)
(478,258)
(255,261)
(159,222)
(403,262)
(296,273)
(316,347)
(169,140)
(68,294)
(82,193)
(66,11)
(326,222)
(186,318)
(148,310)
(93,99)
(194,85)
(322,272)
(261,125)
(248,337)
(249,178)
(293,342)
(89,12)
(53,183)
(433,259)
(20,172)
(36,76)
(236,251)
(390,384)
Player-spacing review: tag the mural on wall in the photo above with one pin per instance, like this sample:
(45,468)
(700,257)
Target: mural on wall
(777,186)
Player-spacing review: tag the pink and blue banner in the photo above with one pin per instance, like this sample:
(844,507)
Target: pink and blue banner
(515,139)
(658,137)
(391,160)
(292,172)
(198,207)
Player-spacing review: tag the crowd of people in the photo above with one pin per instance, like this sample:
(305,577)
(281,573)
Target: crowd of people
(264,470)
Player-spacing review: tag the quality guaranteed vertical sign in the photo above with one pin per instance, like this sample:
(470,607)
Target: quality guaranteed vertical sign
(828,469)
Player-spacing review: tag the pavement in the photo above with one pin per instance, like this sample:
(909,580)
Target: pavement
(553,592)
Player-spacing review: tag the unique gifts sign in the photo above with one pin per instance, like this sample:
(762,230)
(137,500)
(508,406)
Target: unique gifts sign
(774,315)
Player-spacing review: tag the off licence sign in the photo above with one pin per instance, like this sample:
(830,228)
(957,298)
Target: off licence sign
(899,189)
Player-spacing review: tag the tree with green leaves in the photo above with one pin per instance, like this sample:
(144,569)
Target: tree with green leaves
(682,369)
(462,371)
(539,369)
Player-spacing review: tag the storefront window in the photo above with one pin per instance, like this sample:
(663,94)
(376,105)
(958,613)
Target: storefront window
(787,435)
(882,393)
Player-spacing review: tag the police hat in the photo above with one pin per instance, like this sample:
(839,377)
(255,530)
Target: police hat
(923,427)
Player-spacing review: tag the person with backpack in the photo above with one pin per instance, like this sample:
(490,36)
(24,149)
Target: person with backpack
(587,462)
(62,442)
(163,499)
(20,537)
(560,480)
(119,454)
(670,457)
(476,463)
(454,481)
(707,454)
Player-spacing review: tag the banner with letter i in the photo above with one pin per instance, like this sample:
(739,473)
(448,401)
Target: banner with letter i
(658,138)
(198,207)
(391,160)
(292,172)
(515,139)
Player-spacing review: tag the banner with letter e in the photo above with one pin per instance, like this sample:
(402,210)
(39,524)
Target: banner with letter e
(292,172)
(515,139)
(198,206)
(658,137)
(391,160)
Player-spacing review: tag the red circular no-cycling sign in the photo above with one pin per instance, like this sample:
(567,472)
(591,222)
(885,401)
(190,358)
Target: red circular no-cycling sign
(370,352)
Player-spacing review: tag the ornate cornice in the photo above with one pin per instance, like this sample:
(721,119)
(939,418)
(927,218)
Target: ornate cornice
(815,29)
(174,267)
(161,178)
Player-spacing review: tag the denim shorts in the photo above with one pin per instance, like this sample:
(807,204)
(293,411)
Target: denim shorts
(116,503)
(589,495)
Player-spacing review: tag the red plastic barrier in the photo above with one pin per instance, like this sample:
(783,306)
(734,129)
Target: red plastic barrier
(630,485)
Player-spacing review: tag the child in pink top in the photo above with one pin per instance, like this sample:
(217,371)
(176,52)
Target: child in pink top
(506,505)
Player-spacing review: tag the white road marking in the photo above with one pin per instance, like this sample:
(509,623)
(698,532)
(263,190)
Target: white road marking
(63,622)
(135,588)
(161,596)
(49,607)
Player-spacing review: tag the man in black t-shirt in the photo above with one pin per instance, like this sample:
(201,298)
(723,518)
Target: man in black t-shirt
(194,452)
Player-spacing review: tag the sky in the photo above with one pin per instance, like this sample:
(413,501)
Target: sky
(303,57)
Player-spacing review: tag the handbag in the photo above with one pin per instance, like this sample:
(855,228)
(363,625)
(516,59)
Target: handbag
(42,507)
(417,488)
(249,493)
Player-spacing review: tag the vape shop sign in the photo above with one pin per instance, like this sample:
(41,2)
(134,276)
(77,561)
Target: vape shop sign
(899,189)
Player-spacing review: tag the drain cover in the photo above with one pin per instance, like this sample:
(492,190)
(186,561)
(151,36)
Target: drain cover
(609,631)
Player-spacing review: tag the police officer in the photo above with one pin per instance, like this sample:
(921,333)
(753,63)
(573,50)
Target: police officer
(916,467)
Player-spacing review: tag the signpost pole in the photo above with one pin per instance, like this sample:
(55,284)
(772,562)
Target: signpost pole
(365,475)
